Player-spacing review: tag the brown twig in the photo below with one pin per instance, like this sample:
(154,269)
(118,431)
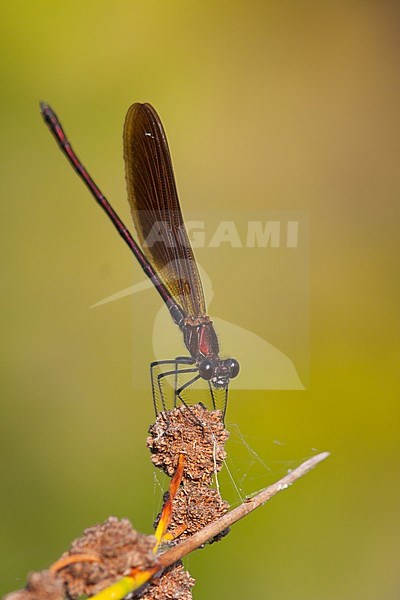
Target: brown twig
(201,537)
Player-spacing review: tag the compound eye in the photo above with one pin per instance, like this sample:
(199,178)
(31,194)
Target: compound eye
(234,367)
(206,369)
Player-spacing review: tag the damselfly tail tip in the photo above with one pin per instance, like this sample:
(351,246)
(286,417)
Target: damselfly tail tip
(49,116)
(47,112)
(43,106)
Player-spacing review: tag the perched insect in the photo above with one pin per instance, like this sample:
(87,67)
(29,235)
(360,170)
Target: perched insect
(165,255)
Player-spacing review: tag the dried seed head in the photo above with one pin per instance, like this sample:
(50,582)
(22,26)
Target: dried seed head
(195,506)
(119,548)
(40,586)
(175,582)
(193,431)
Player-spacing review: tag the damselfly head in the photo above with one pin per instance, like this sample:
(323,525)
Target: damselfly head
(218,371)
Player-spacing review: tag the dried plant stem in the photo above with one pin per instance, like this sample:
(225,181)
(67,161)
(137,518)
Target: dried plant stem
(250,504)
(138,578)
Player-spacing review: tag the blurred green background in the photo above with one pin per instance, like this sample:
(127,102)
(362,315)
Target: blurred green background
(267,105)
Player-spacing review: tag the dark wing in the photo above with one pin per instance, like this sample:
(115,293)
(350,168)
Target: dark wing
(155,208)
